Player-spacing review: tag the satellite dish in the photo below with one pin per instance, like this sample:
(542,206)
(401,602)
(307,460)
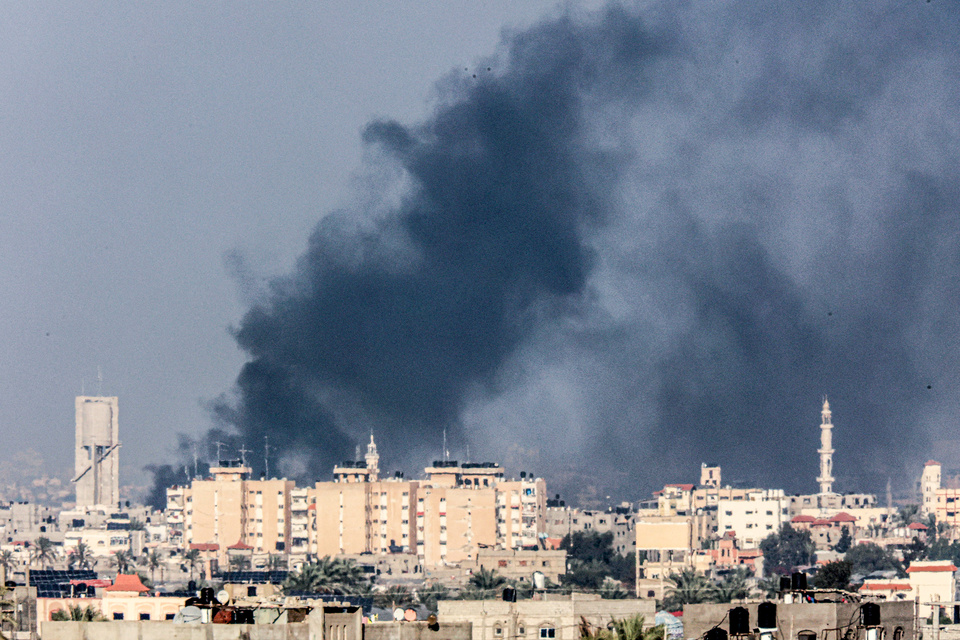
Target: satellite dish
(539,580)
(398,614)
(410,615)
(223,597)
(188,615)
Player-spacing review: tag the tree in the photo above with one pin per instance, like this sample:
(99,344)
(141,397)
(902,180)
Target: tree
(154,562)
(43,551)
(688,587)
(8,618)
(612,590)
(430,594)
(76,613)
(123,561)
(275,562)
(192,558)
(79,556)
(585,575)
(785,551)
(939,549)
(733,586)
(868,558)
(239,562)
(328,575)
(843,544)
(485,584)
(393,597)
(834,575)
(6,561)
(622,629)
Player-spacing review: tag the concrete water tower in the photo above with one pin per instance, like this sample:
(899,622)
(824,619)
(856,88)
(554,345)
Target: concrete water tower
(97,459)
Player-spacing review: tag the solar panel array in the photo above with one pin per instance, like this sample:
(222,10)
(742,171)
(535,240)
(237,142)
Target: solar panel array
(254,577)
(51,583)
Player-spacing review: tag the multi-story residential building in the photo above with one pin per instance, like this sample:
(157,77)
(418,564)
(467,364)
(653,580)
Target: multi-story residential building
(929,485)
(760,513)
(229,508)
(564,521)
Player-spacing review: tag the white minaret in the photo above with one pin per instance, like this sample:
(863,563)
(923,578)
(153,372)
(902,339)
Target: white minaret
(373,461)
(826,450)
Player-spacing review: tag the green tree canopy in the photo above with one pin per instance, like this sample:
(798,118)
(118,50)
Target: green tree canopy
(834,575)
(785,551)
(868,557)
(688,587)
(843,544)
(328,575)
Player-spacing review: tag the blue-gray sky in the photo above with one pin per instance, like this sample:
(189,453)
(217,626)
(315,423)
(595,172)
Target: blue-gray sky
(142,145)
(643,238)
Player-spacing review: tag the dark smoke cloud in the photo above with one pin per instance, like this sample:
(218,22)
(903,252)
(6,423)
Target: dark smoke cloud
(642,240)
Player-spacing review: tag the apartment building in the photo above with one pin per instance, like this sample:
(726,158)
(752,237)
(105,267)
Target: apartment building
(752,518)
(229,508)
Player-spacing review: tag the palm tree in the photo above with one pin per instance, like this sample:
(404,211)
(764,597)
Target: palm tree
(733,586)
(192,558)
(430,594)
(123,561)
(612,590)
(239,563)
(6,561)
(688,587)
(79,556)
(327,575)
(484,584)
(8,618)
(275,563)
(43,551)
(632,629)
(76,613)
(395,596)
(155,561)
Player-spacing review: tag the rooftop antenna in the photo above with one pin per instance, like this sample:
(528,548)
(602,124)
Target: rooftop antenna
(468,453)
(83,386)
(243,455)
(219,445)
(266,456)
(99,381)
(446,454)
(196,469)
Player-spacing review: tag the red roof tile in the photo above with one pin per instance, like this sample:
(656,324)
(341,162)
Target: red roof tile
(802,518)
(930,462)
(916,526)
(240,545)
(127,582)
(205,546)
(843,516)
(937,567)
(685,487)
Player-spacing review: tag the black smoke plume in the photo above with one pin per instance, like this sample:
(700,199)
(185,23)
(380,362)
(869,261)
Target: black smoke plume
(642,240)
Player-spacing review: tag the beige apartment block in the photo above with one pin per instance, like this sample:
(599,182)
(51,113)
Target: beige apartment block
(228,508)
(521,564)
(453,523)
(350,516)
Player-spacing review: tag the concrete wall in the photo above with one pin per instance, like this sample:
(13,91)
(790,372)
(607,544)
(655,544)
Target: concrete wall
(417,631)
(150,630)
(830,621)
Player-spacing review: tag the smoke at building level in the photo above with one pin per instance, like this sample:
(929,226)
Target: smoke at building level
(640,240)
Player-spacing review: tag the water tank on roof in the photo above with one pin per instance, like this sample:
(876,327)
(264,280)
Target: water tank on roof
(97,424)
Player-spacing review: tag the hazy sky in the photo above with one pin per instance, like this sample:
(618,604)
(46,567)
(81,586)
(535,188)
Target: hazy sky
(607,245)
(141,145)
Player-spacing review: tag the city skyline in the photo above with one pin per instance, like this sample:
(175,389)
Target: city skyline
(616,244)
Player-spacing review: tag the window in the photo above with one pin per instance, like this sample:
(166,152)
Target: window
(521,631)
(118,616)
(498,631)
(144,616)
(651,593)
(170,616)
(547,633)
